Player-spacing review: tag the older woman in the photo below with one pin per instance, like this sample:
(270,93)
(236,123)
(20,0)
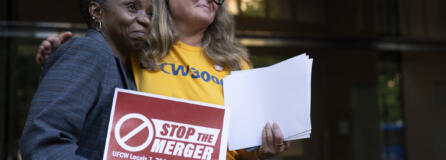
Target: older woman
(192,48)
(69,114)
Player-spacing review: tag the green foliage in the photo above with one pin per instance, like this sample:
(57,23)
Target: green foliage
(389,91)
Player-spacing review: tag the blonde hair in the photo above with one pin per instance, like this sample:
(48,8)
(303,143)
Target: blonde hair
(219,43)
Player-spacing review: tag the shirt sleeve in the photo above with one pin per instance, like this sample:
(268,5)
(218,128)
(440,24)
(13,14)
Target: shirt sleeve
(68,89)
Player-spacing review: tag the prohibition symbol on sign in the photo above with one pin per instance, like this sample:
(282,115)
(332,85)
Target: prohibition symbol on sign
(122,140)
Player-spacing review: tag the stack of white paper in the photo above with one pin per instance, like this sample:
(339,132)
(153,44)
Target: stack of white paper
(279,93)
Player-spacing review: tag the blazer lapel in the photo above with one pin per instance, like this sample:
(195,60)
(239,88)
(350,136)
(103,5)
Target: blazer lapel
(128,79)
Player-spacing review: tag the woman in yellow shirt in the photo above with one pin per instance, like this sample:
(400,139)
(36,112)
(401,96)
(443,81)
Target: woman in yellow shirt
(192,47)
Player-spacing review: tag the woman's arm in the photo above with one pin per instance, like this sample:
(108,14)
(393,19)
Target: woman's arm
(67,91)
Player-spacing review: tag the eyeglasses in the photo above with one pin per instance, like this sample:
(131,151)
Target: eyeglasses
(219,2)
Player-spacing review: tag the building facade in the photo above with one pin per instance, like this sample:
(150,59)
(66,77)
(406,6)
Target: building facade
(379,72)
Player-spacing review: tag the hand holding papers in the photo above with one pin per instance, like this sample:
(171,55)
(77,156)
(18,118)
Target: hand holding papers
(280,93)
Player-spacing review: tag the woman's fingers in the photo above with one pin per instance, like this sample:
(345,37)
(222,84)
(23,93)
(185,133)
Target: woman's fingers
(39,55)
(278,136)
(272,141)
(269,135)
(49,45)
(265,150)
(55,43)
(268,139)
(65,36)
(264,138)
(44,47)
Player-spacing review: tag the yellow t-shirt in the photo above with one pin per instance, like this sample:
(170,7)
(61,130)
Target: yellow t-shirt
(185,73)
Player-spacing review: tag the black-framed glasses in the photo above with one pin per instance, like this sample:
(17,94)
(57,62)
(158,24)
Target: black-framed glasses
(219,2)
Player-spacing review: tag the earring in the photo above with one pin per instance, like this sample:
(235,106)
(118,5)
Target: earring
(99,23)
(99,27)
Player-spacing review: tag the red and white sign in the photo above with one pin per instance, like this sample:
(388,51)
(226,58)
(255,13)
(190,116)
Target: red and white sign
(152,127)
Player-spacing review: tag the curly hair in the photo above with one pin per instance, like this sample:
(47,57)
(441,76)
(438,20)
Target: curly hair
(219,42)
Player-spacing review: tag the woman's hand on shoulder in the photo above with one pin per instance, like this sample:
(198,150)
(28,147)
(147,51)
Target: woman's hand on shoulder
(48,46)
(272,142)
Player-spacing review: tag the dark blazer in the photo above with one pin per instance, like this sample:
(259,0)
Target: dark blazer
(69,113)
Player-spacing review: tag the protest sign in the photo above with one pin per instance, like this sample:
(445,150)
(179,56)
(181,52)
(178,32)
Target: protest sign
(152,127)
